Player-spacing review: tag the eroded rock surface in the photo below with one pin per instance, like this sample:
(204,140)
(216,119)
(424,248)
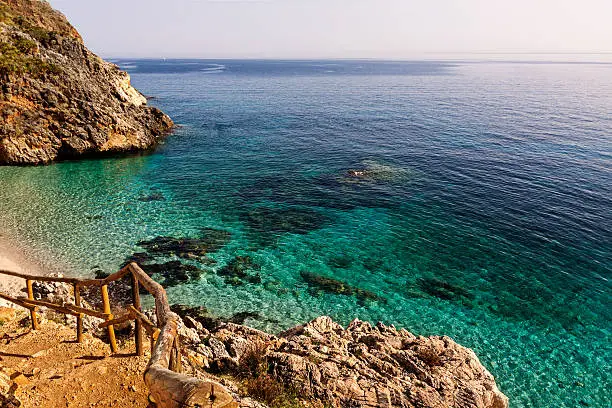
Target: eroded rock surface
(360,366)
(58,100)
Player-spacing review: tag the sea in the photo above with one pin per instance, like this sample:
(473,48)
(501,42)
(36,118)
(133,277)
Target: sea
(471,199)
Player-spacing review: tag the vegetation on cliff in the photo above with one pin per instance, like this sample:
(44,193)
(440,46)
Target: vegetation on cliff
(58,100)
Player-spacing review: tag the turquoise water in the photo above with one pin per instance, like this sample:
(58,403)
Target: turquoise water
(466,199)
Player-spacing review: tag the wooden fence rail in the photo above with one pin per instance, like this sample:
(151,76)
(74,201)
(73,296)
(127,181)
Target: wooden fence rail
(168,387)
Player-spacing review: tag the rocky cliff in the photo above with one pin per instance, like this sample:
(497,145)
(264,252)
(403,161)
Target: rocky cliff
(58,100)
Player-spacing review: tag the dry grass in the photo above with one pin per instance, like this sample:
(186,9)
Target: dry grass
(430,357)
(253,371)
(265,389)
(253,362)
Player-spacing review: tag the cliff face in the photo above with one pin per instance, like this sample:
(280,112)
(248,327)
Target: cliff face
(58,100)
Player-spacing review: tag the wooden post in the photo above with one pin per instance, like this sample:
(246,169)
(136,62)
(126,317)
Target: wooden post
(154,338)
(77,303)
(175,356)
(178,365)
(138,322)
(32,311)
(107,309)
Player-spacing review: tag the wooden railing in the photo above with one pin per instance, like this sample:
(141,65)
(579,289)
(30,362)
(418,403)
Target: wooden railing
(168,388)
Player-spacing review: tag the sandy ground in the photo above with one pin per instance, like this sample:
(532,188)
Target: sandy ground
(56,372)
(11,259)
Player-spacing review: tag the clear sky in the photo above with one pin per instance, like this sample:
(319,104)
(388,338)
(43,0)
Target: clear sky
(338,28)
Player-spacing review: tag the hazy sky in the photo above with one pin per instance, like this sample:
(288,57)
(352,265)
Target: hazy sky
(338,28)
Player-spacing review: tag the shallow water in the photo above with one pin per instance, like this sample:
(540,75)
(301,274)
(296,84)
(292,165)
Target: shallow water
(467,199)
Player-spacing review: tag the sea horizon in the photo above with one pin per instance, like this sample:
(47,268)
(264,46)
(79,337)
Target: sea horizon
(604,57)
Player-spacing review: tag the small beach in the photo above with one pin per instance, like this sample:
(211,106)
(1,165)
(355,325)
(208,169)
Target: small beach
(11,259)
(16,255)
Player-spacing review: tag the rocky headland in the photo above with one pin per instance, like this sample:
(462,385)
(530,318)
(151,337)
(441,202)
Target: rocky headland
(58,100)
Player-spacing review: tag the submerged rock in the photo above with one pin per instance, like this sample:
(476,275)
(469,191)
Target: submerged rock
(173,273)
(214,238)
(241,317)
(287,220)
(341,262)
(298,193)
(170,246)
(444,290)
(139,257)
(176,272)
(152,197)
(201,316)
(239,270)
(372,171)
(358,366)
(58,100)
(211,240)
(334,286)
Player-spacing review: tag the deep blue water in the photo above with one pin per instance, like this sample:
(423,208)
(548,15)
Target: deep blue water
(467,199)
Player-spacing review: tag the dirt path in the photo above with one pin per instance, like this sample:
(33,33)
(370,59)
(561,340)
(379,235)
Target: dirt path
(52,370)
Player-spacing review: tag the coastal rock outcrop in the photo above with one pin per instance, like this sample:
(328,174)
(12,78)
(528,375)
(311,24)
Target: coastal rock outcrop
(58,100)
(360,366)
(324,364)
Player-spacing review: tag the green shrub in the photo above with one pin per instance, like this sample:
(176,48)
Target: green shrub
(5,15)
(16,55)
(40,34)
(24,45)
(14,60)
(11,61)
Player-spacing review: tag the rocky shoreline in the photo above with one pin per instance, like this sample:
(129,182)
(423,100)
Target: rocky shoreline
(320,363)
(357,366)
